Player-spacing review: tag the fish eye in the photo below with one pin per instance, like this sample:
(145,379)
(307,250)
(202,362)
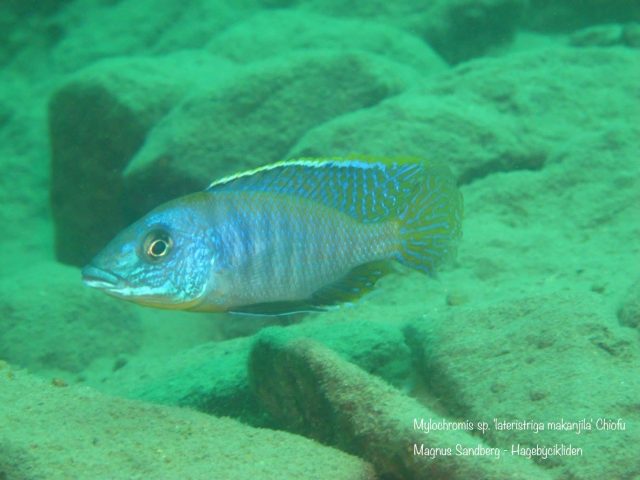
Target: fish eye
(157,244)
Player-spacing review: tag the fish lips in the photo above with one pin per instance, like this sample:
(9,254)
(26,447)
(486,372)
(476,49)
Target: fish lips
(118,287)
(95,277)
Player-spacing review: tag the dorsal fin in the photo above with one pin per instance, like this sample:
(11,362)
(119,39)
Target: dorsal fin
(367,189)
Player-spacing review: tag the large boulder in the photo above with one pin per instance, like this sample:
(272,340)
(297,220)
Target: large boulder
(608,35)
(493,115)
(256,118)
(548,360)
(493,24)
(213,377)
(445,24)
(311,390)
(568,15)
(569,226)
(98,119)
(24,161)
(50,322)
(629,308)
(98,436)
(28,26)
(99,30)
(277,32)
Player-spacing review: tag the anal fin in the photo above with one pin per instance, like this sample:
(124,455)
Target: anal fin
(352,286)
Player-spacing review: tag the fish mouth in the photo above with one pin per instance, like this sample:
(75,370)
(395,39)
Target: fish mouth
(95,277)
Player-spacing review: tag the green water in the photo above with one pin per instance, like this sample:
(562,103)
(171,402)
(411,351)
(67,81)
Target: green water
(519,359)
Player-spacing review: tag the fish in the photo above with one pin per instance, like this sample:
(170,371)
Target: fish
(294,236)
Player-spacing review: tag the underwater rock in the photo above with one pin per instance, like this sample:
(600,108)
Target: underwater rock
(568,15)
(24,152)
(532,230)
(271,33)
(97,436)
(376,347)
(559,358)
(26,26)
(311,390)
(213,377)
(493,23)
(445,24)
(50,321)
(598,36)
(629,309)
(473,141)
(33,7)
(97,120)
(607,36)
(255,118)
(631,35)
(494,114)
(140,27)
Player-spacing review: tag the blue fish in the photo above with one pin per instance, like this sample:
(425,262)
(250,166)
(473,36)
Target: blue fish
(299,235)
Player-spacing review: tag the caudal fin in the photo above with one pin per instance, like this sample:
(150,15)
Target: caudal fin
(431,221)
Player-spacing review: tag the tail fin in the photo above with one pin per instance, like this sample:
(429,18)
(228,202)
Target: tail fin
(431,221)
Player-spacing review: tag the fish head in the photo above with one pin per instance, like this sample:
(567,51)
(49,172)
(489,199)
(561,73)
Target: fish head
(163,260)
